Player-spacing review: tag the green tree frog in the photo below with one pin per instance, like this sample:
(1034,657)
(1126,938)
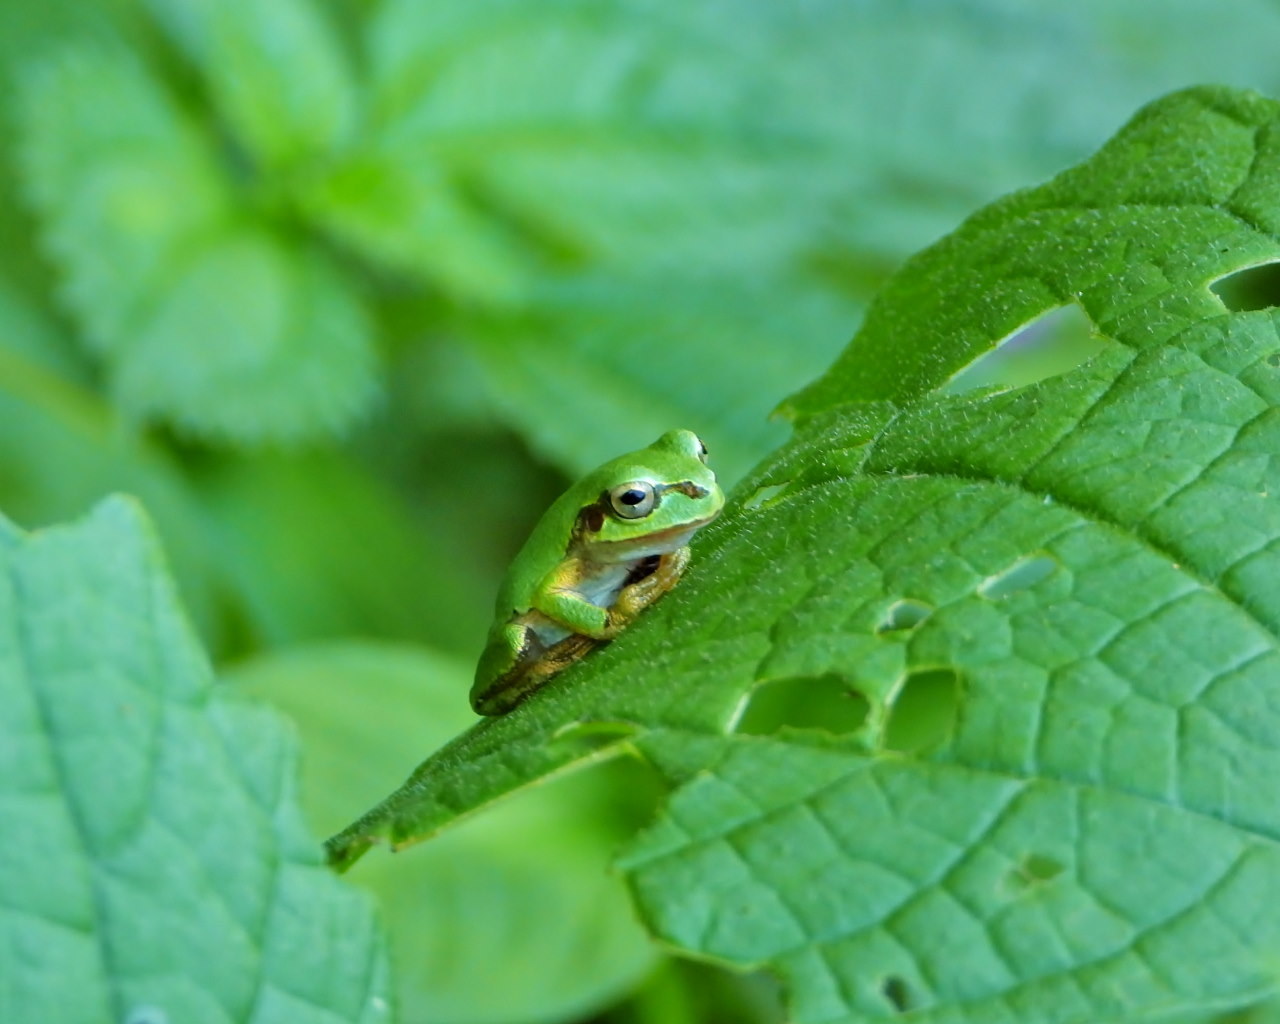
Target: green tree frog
(604,551)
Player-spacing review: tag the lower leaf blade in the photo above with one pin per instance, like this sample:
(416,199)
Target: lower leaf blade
(159,858)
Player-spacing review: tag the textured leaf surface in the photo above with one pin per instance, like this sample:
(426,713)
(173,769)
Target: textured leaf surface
(206,318)
(154,862)
(1076,580)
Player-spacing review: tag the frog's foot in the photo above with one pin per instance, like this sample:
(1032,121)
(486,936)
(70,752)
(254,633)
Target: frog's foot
(636,597)
(536,663)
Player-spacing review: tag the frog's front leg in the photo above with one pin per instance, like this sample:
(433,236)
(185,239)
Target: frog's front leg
(561,600)
(637,596)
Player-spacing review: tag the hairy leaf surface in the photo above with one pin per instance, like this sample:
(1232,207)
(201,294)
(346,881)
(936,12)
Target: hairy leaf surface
(1056,606)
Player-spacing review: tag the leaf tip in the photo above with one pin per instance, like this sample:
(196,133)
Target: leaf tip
(342,850)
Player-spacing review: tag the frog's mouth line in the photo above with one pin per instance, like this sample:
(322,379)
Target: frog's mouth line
(658,542)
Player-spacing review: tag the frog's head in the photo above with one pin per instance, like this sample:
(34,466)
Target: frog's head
(650,502)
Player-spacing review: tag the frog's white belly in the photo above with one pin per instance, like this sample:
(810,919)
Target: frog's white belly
(605,582)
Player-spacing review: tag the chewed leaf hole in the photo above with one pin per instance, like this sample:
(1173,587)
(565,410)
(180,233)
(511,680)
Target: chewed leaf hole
(1036,867)
(589,737)
(904,615)
(764,495)
(1250,289)
(1022,575)
(1054,342)
(923,713)
(1273,359)
(826,702)
(897,993)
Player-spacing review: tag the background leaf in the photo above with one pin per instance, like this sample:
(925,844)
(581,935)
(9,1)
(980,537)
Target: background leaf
(153,852)
(278,74)
(525,886)
(216,324)
(571,351)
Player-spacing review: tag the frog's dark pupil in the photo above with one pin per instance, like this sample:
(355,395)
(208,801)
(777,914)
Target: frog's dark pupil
(631,497)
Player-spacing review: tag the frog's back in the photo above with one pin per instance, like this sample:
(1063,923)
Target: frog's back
(542,552)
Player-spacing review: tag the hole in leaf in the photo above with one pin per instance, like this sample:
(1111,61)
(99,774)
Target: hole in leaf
(589,737)
(895,990)
(826,702)
(1054,342)
(698,991)
(923,714)
(1273,359)
(763,495)
(903,615)
(1036,867)
(1250,289)
(1022,575)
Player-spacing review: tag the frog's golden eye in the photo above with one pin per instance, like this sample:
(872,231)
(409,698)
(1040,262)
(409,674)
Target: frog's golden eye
(634,500)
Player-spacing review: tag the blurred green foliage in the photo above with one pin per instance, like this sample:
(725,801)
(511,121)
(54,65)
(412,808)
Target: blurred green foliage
(343,291)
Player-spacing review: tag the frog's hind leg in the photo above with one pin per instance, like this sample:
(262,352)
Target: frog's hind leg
(563,654)
(535,662)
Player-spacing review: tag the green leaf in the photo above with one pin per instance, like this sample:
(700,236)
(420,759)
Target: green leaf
(207,319)
(1118,268)
(154,857)
(61,449)
(879,886)
(275,512)
(507,141)
(541,860)
(1053,612)
(121,194)
(593,128)
(277,73)
(402,210)
(254,337)
(707,359)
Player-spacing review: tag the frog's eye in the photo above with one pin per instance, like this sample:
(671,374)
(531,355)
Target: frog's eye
(702,451)
(634,500)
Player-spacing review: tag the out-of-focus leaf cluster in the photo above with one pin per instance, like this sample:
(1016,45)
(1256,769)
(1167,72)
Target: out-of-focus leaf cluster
(341,289)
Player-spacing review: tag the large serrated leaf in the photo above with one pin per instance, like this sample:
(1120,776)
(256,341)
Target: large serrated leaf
(254,337)
(592,130)
(206,317)
(277,72)
(154,864)
(1076,579)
